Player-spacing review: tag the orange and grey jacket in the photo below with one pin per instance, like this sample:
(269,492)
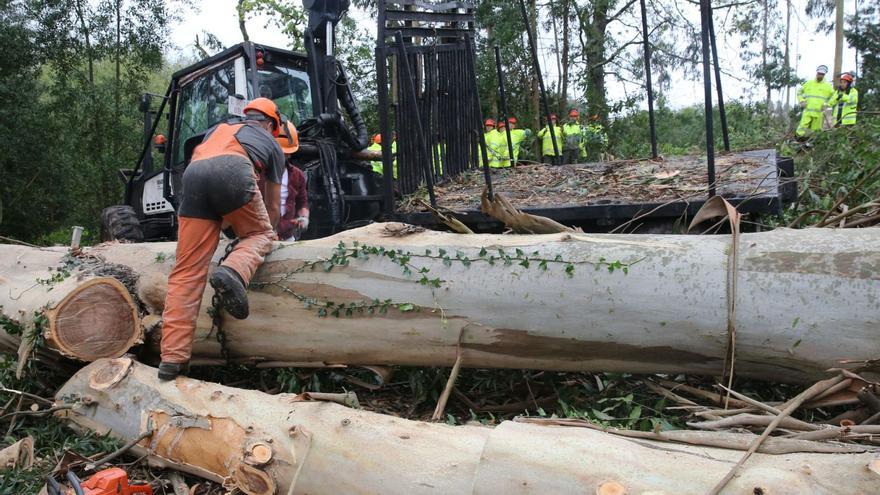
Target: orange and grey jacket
(246,140)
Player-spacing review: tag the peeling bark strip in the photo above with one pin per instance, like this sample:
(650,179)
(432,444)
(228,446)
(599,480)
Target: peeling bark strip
(806,300)
(264,444)
(81,315)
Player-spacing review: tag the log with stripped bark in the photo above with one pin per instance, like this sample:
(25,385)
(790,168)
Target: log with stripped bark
(264,444)
(807,300)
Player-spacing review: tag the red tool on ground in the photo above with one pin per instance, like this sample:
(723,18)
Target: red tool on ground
(112,481)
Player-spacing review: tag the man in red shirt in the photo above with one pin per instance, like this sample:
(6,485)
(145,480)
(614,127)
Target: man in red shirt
(294,194)
(220,186)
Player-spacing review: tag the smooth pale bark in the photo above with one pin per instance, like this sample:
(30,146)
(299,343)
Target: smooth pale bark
(77,305)
(265,444)
(807,300)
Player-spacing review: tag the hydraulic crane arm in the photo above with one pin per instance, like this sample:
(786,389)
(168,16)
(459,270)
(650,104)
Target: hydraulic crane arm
(329,83)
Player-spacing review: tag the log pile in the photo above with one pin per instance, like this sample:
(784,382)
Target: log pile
(261,444)
(388,294)
(806,301)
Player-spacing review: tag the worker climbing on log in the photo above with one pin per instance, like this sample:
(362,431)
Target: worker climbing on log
(517,138)
(573,138)
(844,104)
(813,96)
(548,153)
(493,143)
(294,220)
(220,186)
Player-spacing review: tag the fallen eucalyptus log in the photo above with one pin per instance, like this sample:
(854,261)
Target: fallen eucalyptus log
(78,305)
(806,301)
(264,444)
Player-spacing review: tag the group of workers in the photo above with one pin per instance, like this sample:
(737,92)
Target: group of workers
(575,142)
(240,177)
(817,95)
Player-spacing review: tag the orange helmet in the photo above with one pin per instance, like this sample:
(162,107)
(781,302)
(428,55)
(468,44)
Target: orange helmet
(512,120)
(268,108)
(287,137)
(594,117)
(846,77)
(489,122)
(377,139)
(573,113)
(500,124)
(553,116)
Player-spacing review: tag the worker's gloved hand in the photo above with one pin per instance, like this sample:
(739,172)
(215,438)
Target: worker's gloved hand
(303,222)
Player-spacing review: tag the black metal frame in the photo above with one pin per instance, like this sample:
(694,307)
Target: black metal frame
(537,66)
(433,44)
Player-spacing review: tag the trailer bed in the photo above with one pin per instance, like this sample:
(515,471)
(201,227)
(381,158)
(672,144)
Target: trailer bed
(600,195)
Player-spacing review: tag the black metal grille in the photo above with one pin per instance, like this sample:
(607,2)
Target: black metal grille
(432,103)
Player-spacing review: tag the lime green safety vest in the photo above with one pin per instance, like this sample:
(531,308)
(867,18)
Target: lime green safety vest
(377,165)
(844,106)
(547,143)
(816,94)
(494,142)
(574,139)
(517,138)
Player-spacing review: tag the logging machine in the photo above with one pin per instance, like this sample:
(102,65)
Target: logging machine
(310,88)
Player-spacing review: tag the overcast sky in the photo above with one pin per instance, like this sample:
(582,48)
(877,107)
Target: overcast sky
(808,48)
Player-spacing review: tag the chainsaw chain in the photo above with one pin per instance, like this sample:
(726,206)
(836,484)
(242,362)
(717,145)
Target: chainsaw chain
(216,304)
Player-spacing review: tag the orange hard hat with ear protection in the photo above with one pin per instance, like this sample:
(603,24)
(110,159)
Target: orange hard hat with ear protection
(287,137)
(268,108)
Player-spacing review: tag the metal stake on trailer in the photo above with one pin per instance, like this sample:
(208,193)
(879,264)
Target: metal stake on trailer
(707,94)
(410,91)
(646,48)
(717,65)
(534,50)
(481,138)
(503,95)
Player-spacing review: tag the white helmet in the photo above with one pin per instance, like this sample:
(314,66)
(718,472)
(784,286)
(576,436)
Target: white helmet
(822,69)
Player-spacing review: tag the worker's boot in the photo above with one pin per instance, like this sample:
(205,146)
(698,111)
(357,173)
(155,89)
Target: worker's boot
(170,371)
(229,286)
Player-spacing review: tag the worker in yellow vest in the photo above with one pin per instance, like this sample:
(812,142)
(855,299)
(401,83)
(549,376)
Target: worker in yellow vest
(573,139)
(548,155)
(494,141)
(377,146)
(844,104)
(517,138)
(813,96)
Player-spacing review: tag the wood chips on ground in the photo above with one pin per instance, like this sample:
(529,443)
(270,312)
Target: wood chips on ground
(621,181)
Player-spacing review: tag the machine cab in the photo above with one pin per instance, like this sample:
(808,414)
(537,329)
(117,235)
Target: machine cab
(203,95)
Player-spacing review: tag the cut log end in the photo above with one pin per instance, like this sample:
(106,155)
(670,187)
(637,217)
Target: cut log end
(253,481)
(611,488)
(110,374)
(96,320)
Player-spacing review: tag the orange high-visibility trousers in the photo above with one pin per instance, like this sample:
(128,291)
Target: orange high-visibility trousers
(197,240)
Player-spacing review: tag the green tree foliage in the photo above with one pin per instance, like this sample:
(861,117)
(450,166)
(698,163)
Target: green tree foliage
(73,80)
(683,131)
(865,37)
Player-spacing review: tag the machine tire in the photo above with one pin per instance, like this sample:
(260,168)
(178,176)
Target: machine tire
(120,223)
